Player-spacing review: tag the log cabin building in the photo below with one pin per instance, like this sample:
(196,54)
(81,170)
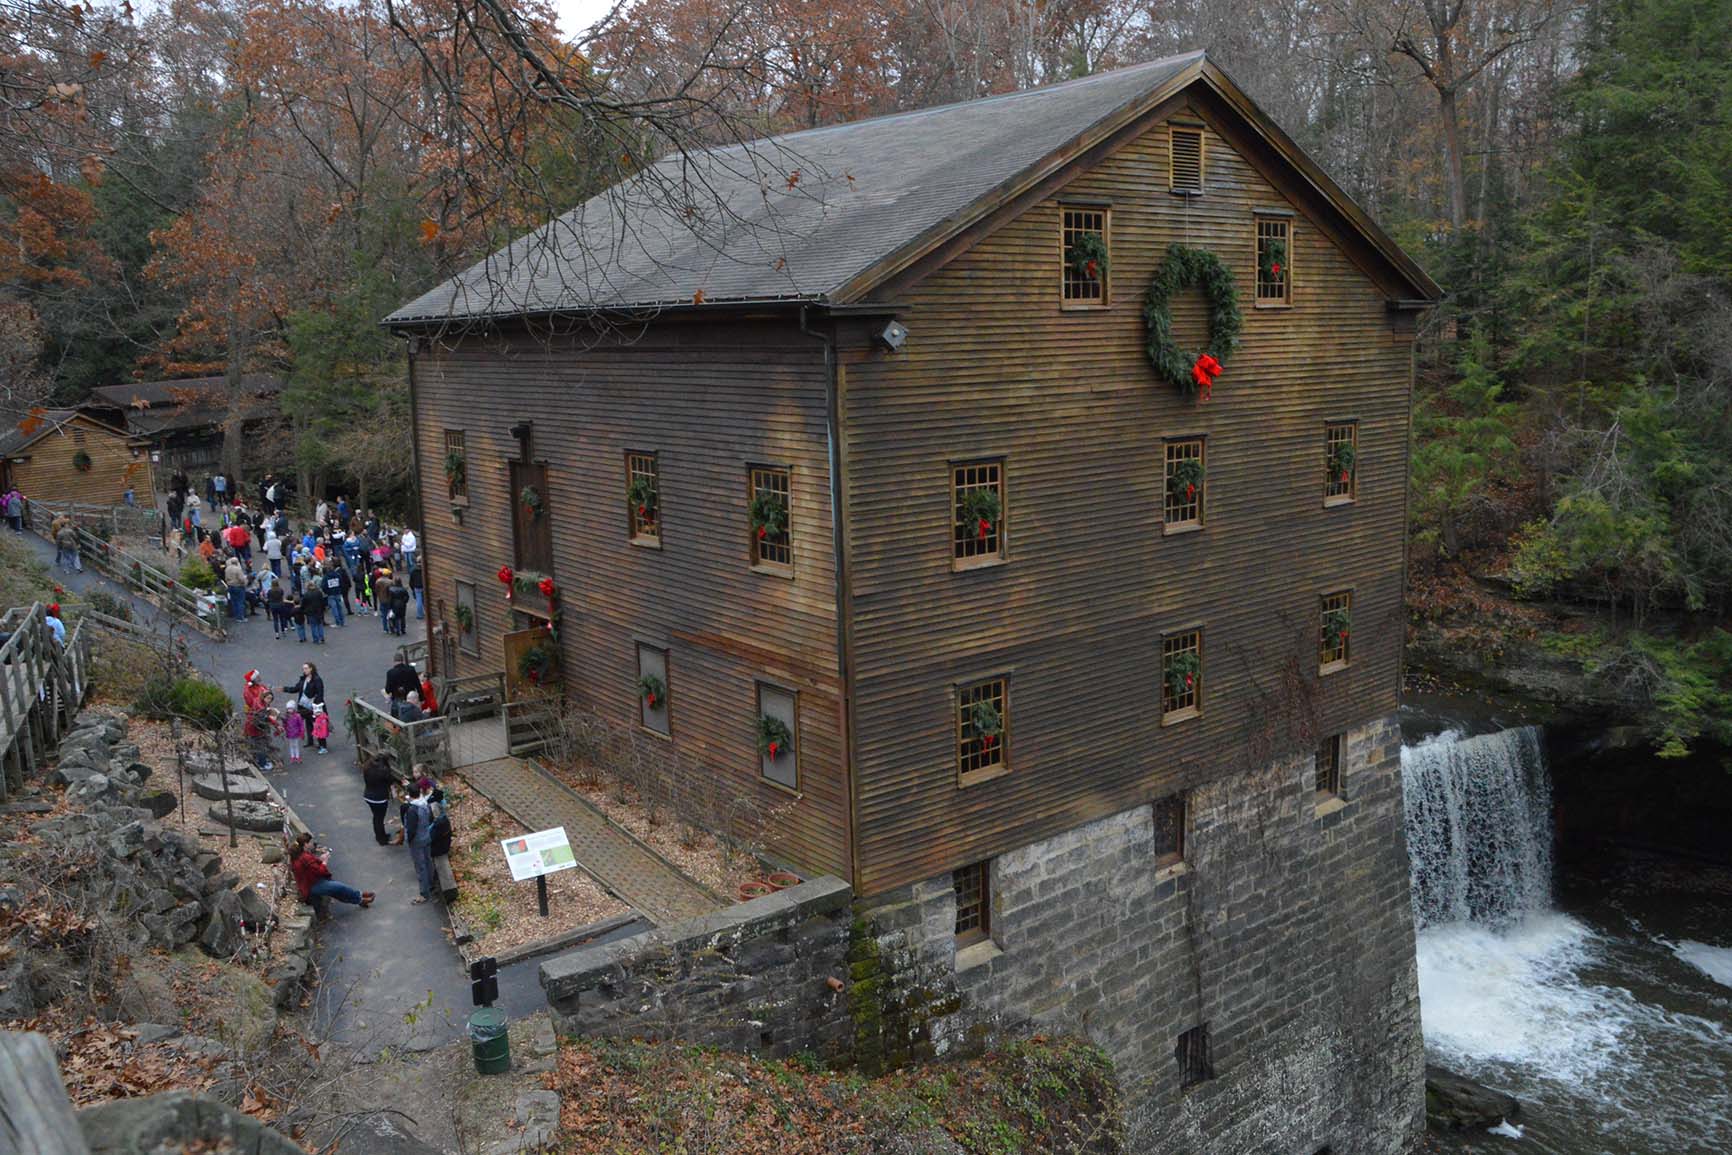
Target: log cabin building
(182,418)
(64,455)
(1083,676)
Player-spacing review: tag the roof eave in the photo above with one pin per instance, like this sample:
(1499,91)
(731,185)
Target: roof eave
(609,314)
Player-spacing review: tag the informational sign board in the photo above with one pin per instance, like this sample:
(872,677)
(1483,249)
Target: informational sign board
(533,855)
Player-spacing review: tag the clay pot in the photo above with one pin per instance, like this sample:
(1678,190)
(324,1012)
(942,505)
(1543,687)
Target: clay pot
(783,879)
(754,889)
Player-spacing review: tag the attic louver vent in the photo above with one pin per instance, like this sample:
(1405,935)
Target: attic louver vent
(1186,157)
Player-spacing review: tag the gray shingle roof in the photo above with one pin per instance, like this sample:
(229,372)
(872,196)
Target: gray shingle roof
(866,189)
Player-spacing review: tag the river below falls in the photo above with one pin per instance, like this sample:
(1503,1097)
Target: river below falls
(1608,1014)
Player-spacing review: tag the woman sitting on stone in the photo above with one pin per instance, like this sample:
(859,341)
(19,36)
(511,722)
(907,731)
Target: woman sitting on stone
(313,875)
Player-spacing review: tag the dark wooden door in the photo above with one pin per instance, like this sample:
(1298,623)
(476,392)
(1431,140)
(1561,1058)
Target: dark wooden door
(531,522)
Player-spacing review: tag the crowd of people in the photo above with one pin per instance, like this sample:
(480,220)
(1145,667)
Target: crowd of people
(339,563)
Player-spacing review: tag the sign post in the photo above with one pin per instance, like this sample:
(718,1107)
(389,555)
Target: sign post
(537,856)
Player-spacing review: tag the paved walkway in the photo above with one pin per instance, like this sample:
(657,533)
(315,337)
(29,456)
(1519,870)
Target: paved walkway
(390,975)
(640,877)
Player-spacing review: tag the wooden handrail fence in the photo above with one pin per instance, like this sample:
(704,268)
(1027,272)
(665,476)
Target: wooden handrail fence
(42,685)
(141,577)
(120,519)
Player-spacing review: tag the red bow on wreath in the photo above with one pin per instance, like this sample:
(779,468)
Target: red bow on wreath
(545,585)
(1204,373)
(985,528)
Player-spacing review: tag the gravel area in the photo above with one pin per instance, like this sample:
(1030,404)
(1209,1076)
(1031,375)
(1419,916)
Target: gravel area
(498,911)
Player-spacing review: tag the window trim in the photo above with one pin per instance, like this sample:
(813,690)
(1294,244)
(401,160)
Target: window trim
(1174,128)
(1082,304)
(983,931)
(1002,554)
(1331,500)
(1193,525)
(1334,665)
(667,686)
(759,685)
(758,564)
(1285,301)
(967,778)
(460,584)
(632,535)
(1195,709)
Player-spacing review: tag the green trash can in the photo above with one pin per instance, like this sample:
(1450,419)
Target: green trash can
(490,1041)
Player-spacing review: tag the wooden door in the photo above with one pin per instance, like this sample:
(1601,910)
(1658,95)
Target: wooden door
(514,645)
(531,523)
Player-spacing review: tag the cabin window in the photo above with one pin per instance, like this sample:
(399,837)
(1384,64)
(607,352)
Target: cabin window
(1329,768)
(770,514)
(1340,462)
(1084,253)
(779,726)
(1185,160)
(1170,817)
(973,887)
(1181,675)
(468,619)
(1184,484)
(1274,261)
(642,497)
(1192,1053)
(456,467)
(977,508)
(982,729)
(1336,630)
(653,694)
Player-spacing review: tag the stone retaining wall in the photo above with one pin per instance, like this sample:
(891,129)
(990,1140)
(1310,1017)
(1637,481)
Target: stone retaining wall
(765,977)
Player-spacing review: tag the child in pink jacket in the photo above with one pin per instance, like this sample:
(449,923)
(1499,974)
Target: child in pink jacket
(294,729)
(321,727)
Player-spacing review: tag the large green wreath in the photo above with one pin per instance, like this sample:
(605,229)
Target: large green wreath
(1183,268)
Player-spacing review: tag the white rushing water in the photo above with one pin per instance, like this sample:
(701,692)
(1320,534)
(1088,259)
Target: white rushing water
(1589,1025)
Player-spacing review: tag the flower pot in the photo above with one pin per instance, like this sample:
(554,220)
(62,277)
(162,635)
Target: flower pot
(783,879)
(754,889)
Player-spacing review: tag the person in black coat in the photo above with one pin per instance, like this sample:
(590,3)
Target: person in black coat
(313,605)
(402,678)
(377,780)
(309,688)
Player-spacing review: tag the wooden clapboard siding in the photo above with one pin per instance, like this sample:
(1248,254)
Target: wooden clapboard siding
(43,468)
(993,367)
(706,399)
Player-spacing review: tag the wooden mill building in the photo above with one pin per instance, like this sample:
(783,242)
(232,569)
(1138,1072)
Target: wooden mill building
(1031,599)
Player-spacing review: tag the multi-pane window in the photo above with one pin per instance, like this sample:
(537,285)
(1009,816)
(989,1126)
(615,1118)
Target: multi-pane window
(973,888)
(1329,767)
(643,496)
(1185,159)
(1336,630)
(1274,261)
(977,503)
(982,724)
(456,465)
(1192,1053)
(1340,461)
(1184,483)
(1181,674)
(1084,251)
(779,723)
(770,514)
(1170,830)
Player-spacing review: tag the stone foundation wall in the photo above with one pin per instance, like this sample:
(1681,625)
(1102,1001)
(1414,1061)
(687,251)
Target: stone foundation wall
(764,977)
(1287,931)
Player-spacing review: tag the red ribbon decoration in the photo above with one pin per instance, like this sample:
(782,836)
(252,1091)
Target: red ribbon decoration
(545,585)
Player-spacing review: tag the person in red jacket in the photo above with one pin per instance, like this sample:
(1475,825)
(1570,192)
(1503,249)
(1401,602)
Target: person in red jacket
(313,876)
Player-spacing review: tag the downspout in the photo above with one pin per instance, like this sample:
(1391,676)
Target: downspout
(421,512)
(838,545)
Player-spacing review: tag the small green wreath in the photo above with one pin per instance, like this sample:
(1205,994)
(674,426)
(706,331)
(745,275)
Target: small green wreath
(642,496)
(980,511)
(1184,671)
(774,737)
(1184,480)
(530,498)
(1274,262)
(1338,624)
(984,722)
(465,619)
(769,514)
(653,691)
(456,470)
(1087,257)
(81,461)
(1183,268)
(1343,456)
(537,664)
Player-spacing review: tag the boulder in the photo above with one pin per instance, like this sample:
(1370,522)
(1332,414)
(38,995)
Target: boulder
(92,789)
(17,997)
(287,978)
(1456,1103)
(160,803)
(178,1121)
(270,854)
(127,840)
(203,762)
(254,908)
(222,934)
(249,815)
(383,1135)
(238,786)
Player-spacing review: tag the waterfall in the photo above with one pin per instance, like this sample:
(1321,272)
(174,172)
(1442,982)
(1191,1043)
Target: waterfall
(1479,831)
